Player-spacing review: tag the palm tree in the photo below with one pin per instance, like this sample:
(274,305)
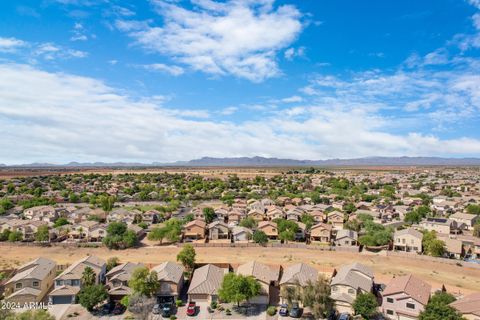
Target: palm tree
(88,277)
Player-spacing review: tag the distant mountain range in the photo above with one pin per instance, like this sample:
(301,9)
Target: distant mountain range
(275,162)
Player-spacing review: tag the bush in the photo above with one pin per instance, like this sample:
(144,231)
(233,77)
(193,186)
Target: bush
(271,311)
(213,305)
(172,317)
(179,303)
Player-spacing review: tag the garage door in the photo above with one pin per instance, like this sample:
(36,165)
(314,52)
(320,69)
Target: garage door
(62,299)
(199,297)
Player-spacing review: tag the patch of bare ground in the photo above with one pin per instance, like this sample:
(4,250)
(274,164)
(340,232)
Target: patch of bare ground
(455,278)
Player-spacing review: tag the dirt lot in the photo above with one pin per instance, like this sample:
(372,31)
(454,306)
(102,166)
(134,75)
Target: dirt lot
(455,278)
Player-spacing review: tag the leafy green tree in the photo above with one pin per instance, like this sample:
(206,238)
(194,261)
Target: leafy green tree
(112,263)
(187,256)
(106,202)
(4,236)
(119,237)
(353,224)
(365,305)
(308,220)
(473,209)
(208,214)
(260,237)
(431,245)
(438,308)
(286,235)
(60,222)
(144,282)
(170,231)
(43,233)
(316,296)
(248,222)
(88,277)
(237,288)
(15,236)
(90,296)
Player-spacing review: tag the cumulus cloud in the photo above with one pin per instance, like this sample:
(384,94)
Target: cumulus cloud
(11,44)
(172,70)
(58,117)
(240,38)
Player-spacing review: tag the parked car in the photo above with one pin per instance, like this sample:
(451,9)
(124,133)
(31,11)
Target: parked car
(283,310)
(344,316)
(295,311)
(191,309)
(118,309)
(167,309)
(156,309)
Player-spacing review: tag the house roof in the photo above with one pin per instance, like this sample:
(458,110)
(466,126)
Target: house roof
(262,224)
(463,216)
(36,269)
(217,223)
(260,271)
(237,230)
(414,287)
(65,291)
(169,271)
(346,233)
(469,304)
(206,279)
(123,271)
(409,231)
(25,291)
(301,272)
(75,271)
(322,225)
(355,275)
(196,222)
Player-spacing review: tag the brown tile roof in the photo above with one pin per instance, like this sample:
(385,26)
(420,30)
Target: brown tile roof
(301,272)
(259,271)
(468,305)
(416,288)
(206,280)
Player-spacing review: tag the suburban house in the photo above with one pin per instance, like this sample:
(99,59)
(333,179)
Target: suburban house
(97,232)
(268,278)
(241,234)
(256,214)
(335,218)
(170,276)
(468,306)
(346,238)
(218,230)
(82,229)
(41,213)
(298,274)
(270,229)
(31,281)
(439,225)
(464,219)
(409,240)
(347,283)
(453,246)
(194,230)
(321,232)
(205,283)
(405,297)
(117,280)
(69,282)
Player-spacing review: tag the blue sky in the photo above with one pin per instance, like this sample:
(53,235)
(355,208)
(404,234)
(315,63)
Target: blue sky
(167,80)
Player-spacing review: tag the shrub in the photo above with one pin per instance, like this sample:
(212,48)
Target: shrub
(271,311)
(213,305)
(179,303)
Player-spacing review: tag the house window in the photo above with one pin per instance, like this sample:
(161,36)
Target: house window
(351,291)
(59,282)
(389,312)
(18,285)
(334,288)
(390,300)
(75,282)
(410,306)
(35,283)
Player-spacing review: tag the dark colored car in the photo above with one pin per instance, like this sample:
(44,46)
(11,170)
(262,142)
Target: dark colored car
(118,309)
(344,316)
(167,309)
(283,310)
(295,311)
(191,309)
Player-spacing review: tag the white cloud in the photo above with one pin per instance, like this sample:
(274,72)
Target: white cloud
(78,33)
(291,53)
(172,70)
(239,38)
(228,111)
(57,117)
(11,44)
(51,51)
(292,99)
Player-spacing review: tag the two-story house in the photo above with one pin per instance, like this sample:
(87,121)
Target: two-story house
(170,276)
(117,280)
(408,240)
(31,281)
(405,297)
(69,282)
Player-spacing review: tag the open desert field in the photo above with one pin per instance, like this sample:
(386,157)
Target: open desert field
(455,278)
